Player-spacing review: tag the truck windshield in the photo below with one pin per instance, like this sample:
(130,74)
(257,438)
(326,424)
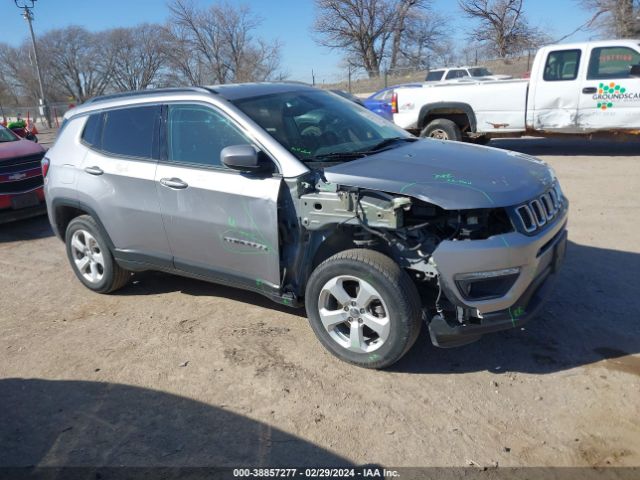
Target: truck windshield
(479,72)
(318,126)
(434,76)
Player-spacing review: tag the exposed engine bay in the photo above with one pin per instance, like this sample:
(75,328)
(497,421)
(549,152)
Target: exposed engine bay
(411,228)
(334,217)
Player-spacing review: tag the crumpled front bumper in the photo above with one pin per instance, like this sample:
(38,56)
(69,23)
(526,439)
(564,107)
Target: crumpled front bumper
(538,257)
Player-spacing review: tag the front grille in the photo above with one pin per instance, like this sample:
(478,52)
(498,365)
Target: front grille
(20,164)
(536,213)
(21,186)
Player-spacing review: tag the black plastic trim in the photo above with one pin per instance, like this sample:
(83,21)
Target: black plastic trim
(465,107)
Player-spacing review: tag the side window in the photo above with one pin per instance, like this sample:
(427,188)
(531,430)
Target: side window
(562,65)
(92,130)
(132,132)
(197,135)
(611,62)
(452,74)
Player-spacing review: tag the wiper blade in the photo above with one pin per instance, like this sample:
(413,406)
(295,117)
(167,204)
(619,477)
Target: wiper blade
(338,156)
(390,141)
(362,153)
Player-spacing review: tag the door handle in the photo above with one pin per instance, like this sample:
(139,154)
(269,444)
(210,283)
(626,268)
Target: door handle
(94,170)
(589,90)
(173,183)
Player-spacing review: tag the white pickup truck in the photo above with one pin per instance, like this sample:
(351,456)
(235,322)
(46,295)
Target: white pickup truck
(590,88)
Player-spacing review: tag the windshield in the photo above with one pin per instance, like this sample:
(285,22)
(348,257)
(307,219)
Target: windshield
(479,72)
(434,76)
(6,135)
(320,126)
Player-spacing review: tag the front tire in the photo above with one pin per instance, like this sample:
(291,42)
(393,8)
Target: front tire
(90,257)
(363,308)
(442,129)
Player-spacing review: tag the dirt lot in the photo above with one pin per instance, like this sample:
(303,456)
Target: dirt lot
(171,371)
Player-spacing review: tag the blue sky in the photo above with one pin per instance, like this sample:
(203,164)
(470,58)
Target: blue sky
(288,20)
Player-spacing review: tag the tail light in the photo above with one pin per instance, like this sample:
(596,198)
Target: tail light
(394,102)
(45,166)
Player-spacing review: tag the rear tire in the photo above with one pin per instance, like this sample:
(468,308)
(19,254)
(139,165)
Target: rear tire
(377,295)
(90,257)
(442,129)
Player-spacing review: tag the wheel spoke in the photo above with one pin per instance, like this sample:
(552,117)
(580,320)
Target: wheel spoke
(378,325)
(94,271)
(82,263)
(356,338)
(366,293)
(336,288)
(77,244)
(331,318)
(98,258)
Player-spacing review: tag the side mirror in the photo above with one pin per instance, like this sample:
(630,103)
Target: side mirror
(634,71)
(243,158)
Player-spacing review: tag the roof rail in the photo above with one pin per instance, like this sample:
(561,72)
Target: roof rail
(113,96)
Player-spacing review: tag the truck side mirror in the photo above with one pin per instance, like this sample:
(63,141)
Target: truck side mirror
(634,71)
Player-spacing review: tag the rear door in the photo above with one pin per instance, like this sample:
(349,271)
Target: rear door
(610,97)
(557,91)
(221,224)
(117,180)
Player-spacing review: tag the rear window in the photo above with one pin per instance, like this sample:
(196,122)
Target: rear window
(611,62)
(92,130)
(132,132)
(434,76)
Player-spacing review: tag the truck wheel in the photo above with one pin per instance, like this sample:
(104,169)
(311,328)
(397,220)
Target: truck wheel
(90,257)
(442,129)
(363,308)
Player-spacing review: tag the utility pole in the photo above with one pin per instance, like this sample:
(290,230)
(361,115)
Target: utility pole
(27,6)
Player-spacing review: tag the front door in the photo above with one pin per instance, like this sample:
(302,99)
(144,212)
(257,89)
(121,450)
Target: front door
(610,96)
(555,100)
(220,223)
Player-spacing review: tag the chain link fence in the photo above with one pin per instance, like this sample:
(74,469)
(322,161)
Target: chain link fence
(32,113)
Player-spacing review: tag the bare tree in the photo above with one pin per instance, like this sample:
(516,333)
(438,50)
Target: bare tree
(360,28)
(502,27)
(368,31)
(422,38)
(216,44)
(137,56)
(18,74)
(80,62)
(616,18)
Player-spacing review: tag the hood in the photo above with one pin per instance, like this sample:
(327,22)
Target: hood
(20,148)
(452,175)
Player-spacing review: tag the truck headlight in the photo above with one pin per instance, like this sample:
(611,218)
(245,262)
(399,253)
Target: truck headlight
(486,285)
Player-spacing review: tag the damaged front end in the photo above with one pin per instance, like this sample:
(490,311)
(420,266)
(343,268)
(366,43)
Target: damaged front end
(474,268)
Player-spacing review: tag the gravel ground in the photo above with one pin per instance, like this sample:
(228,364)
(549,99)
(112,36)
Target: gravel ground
(177,372)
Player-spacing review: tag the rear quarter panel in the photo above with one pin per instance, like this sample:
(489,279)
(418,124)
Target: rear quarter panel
(65,157)
(499,105)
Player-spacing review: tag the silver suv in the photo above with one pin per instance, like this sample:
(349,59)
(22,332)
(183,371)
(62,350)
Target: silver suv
(309,199)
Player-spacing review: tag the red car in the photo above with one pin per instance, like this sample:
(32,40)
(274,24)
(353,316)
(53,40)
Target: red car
(21,181)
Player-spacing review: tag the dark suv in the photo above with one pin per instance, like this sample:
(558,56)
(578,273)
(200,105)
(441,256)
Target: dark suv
(309,199)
